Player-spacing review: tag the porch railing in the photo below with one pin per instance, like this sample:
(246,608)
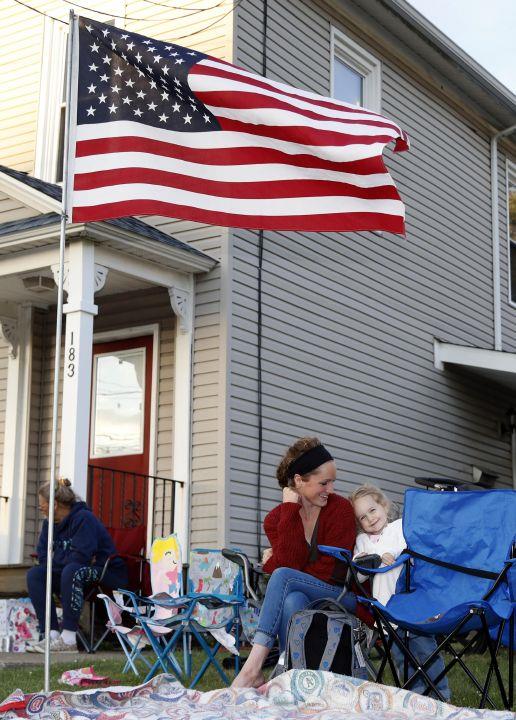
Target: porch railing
(121,498)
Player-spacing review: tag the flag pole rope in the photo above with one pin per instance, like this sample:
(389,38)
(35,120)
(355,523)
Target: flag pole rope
(57,359)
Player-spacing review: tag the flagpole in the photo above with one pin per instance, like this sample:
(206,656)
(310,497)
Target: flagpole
(57,359)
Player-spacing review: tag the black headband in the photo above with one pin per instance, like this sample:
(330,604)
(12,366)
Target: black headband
(309,460)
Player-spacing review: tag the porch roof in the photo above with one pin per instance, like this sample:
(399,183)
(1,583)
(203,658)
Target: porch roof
(494,365)
(128,224)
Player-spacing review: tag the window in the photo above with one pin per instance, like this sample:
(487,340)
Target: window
(356,74)
(511,223)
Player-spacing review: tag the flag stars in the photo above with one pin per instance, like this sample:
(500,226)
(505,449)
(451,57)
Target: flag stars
(138,58)
(118,71)
(112,108)
(106,60)
(102,98)
(115,88)
(93,67)
(104,78)
(137,112)
(90,111)
(163,118)
(157,58)
(92,88)
(187,119)
(130,45)
(140,94)
(164,95)
(95,47)
(179,61)
(152,106)
(165,69)
(124,36)
(127,100)
(113,45)
(176,107)
(105,33)
(89,28)
(129,83)
(153,85)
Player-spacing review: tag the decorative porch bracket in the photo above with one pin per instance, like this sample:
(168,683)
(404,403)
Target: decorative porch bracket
(181,302)
(9,332)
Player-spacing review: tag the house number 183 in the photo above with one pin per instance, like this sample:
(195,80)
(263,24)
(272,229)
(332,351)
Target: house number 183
(70,356)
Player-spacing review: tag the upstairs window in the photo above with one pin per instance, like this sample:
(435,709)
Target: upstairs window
(511,222)
(356,74)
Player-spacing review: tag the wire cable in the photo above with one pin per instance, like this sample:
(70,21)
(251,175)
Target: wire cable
(128,17)
(40,12)
(259,322)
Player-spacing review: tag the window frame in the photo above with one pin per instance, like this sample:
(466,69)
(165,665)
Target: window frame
(510,172)
(361,61)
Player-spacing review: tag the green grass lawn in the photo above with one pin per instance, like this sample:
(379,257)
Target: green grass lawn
(30,679)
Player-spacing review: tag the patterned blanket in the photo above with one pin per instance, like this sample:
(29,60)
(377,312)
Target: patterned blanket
(299,694)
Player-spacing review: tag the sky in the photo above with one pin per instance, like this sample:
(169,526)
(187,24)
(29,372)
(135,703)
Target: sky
(485,29)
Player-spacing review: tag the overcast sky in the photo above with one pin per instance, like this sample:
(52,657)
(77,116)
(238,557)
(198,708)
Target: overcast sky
(485,29)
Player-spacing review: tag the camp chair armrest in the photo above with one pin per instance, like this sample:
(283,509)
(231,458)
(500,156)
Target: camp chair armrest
(500,579)
(402,559)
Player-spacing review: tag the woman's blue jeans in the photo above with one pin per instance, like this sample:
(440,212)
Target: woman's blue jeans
(287,592)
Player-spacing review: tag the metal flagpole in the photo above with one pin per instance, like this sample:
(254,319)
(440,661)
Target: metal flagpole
(59,326)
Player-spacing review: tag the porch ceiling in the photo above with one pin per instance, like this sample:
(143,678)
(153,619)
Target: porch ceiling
(12,288)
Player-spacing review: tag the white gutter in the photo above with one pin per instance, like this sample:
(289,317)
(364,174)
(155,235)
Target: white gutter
(497,315)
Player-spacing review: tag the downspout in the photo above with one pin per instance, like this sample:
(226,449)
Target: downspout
(497,315)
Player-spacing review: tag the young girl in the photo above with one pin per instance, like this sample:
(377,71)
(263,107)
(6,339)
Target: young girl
(381,536)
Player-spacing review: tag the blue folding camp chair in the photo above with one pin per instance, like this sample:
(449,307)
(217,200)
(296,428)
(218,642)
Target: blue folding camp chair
(211,606)
(459,576)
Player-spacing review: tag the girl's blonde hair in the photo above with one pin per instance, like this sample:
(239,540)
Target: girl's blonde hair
(63,494)
(378,496)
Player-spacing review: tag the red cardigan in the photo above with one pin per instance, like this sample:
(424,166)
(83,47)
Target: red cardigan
(284,528)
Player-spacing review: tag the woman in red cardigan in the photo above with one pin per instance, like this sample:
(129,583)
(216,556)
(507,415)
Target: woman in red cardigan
(311,514)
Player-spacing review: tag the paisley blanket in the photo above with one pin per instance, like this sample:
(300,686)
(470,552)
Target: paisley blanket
(299,694)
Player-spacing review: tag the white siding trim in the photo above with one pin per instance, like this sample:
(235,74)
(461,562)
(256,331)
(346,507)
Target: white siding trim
(16,439)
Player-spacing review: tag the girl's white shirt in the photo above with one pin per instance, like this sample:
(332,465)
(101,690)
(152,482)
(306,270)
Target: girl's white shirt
(390,540)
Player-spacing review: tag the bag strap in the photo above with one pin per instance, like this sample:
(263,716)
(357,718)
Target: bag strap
(332,643)
(296,641)
(329,605)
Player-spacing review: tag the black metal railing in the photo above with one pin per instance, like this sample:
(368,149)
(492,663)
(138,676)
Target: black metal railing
(120,498)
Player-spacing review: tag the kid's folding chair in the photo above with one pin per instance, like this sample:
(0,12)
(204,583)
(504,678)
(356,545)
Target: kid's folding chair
(131,639)
(459,576)
(211,605)
(154,615)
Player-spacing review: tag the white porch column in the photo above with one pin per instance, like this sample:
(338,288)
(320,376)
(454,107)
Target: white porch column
(182,305)
(82,279)
(18,333)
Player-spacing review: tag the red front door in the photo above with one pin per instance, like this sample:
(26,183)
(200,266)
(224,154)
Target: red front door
(120,431)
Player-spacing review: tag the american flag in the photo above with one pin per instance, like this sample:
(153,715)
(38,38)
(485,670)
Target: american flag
(165,130)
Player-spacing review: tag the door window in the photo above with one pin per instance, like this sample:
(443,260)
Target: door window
(118,403)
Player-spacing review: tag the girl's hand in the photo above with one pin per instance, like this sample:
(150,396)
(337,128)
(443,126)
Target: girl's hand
(267,554)
(290,495)
(388,558)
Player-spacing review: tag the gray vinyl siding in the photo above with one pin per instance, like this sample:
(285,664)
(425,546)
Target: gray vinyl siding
(4,358)
(207,510)
(349,320)
(34,465)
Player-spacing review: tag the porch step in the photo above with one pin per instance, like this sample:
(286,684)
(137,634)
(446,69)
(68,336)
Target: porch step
(13,581)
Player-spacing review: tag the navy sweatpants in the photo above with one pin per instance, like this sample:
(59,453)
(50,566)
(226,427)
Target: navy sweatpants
(69,584)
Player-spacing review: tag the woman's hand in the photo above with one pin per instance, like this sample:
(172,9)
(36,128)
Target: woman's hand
(388,558)
(290,495)
(267,554)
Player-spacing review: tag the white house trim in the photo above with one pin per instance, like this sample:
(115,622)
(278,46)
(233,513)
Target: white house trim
(472,357)
(141,269)
(28,195)
(182,427)
(16,439)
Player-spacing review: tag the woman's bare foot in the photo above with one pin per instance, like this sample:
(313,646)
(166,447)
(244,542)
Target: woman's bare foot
(247,680)
(251,675)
